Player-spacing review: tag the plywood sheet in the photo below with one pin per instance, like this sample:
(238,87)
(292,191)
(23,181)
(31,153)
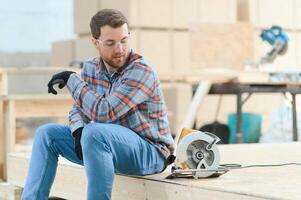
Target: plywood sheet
(250,183)
(62,53)
(221,45)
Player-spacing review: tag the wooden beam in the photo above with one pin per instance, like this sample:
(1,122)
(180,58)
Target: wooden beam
(9,130)
(3,84)
(2,141)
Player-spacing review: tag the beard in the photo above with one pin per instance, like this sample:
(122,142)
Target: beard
(116,61)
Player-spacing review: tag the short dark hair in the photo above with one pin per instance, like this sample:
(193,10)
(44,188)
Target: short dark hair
(111,17)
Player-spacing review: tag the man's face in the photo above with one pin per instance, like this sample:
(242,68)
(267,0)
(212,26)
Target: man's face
(113,45)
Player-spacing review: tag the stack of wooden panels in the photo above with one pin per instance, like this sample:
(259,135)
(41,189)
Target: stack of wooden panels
(160,29)
(281,182)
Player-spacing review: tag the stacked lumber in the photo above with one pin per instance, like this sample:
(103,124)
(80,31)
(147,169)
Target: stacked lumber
(159,29)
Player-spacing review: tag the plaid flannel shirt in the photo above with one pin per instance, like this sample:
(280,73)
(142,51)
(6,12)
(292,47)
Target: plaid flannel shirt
(131,97)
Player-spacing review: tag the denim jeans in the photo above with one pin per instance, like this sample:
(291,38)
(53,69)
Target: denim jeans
(107,149)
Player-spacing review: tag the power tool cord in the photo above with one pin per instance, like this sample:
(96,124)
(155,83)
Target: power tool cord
(239,166)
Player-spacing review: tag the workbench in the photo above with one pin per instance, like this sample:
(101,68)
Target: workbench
(239,89)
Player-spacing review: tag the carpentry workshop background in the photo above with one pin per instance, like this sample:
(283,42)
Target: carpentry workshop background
(246,52)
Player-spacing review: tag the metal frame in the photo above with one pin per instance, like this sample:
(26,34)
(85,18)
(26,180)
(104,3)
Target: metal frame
(240,88)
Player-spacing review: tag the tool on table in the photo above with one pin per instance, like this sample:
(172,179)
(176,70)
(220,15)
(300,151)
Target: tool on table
(278,39)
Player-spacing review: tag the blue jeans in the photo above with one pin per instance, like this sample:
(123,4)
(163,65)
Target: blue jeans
(107,148)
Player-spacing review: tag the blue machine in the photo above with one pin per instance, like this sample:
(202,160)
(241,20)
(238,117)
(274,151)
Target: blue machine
(278,39)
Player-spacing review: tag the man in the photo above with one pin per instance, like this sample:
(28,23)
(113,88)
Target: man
(118,123)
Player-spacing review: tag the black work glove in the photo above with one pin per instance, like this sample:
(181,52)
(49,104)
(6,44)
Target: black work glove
(77,134)
(59,78)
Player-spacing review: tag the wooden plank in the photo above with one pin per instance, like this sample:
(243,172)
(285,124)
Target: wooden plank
(3,84)
(82,13)
(250,183)
(243,10)
(160,58)
(39,108)
(181,53)
(9,129)
(2,142)
(84,49)
(24,80)
(221,11)
(28,97)
(184,13)
(35,70)
(40,105)
(161,19)
(62,53)
(221,45)
(261,153)
(125,187)
(268,11)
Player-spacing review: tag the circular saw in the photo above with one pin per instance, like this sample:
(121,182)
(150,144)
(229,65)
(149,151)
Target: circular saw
(197,155)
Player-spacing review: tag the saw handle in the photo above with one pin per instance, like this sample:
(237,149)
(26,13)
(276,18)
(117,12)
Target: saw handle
(215,140)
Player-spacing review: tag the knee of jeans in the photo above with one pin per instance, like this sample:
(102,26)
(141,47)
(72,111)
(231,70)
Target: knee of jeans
(95,132)
(45,133)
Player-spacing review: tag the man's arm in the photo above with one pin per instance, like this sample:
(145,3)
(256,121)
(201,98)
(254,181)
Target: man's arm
(136,87)
(76,118)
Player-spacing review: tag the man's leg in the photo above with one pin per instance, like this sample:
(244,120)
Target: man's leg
(109,148)
(51,140)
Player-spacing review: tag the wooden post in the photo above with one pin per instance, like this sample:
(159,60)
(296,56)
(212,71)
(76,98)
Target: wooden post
(2,147)
(9,125)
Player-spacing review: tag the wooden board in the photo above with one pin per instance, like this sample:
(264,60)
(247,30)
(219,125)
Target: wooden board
(221,45)
(62,53)
(84,49)
(28,80)
(125,188)
(250,183)
(2,142)
(159,56)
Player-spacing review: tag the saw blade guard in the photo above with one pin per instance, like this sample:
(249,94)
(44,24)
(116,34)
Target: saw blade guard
(198,150)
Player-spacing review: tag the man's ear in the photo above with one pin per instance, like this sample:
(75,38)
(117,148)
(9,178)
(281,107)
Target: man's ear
(94,42)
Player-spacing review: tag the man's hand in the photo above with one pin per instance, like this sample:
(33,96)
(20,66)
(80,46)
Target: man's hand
(77,134)
(59,78)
